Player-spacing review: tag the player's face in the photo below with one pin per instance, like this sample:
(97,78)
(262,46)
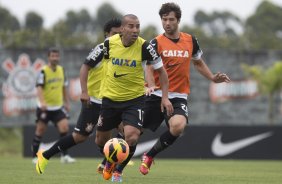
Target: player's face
(130,30)
(54,58)
(170,23)
(114,30)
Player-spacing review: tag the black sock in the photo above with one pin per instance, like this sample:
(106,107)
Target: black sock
(164,141)
(64,152)
(104,161)
(35,145)
(101,150)
(63,144)
(121,166)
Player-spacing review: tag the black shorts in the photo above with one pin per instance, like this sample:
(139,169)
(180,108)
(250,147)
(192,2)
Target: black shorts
(88,118)
(54,116)
(153,116)
(113,113)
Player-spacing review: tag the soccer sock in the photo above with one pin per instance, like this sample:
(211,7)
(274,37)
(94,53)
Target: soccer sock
(35,144)
(164,141)
(63,144)
(101,150)
(64,152)
(121,166)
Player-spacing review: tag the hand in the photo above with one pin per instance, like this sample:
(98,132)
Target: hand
(84,98)
(149,90)
(166,104)
(67,107)
(220,77)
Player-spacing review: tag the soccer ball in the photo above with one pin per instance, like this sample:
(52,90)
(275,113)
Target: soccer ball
(116,150)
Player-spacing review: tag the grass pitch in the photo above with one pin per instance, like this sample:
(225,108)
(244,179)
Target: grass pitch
(14,169)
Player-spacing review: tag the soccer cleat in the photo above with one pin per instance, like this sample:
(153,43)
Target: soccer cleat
(146,164)
(131,163)
(66,159)
(117,177)
(108,170)
(41,162)
(34,160)
(100,168)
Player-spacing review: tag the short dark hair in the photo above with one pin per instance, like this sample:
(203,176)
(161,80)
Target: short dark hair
(114,22)
(123,22)
(53,49)
(170,7)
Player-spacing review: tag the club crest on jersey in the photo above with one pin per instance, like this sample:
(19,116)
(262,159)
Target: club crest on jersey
(176,53)
(124,62)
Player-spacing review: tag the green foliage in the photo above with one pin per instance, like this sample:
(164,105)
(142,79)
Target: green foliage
(218,24)
(8,22)
(224,30)
(149,32)
(269,82)
(33,21)
(104,13)
(263,28)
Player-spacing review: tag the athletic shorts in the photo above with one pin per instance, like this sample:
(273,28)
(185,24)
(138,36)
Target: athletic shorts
(88,118)
(54,116)
(153,116)
(113,113)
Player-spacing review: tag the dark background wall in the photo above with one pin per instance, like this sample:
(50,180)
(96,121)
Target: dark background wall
(202,111)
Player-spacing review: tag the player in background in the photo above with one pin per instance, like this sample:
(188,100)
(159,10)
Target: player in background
(90,104)
(52,103)
(123,94)
(177,50)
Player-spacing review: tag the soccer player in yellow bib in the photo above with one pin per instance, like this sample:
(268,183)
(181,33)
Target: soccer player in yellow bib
(53,103)
(90,107)
(123,91)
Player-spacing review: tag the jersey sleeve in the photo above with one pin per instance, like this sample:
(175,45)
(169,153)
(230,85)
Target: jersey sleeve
(95,56)
(106,49)
(150,54)
(197,52)
(40,80)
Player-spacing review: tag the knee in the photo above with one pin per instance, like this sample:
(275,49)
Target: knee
(63,126)
(101,140)
(177,128)
(78,138)
(132,138)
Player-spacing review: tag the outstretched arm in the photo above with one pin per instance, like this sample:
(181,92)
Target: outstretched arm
(203,69)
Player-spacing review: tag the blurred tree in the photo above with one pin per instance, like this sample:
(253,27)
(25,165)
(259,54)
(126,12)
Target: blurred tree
(78,22)
(269,82)
(149,32)
(263,30)
(204,40)
(219,24)
(219,29)
(8,22)
(33,21)
(105,12)
(64,38)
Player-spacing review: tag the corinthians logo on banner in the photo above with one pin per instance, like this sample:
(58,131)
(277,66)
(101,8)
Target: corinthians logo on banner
(19,88)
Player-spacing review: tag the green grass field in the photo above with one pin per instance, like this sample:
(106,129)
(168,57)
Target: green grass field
(18,170)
